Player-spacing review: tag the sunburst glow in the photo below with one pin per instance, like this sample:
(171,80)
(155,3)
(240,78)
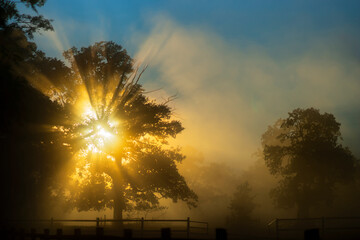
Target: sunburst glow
(99,137)
(95,127)
(98,134)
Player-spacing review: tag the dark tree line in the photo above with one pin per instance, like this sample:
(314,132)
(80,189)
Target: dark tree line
(26,166)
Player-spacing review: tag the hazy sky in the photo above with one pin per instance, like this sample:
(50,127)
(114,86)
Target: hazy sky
(236,66)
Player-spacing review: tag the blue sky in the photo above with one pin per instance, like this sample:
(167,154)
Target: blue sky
(237,66)
(267,23)
(271,24)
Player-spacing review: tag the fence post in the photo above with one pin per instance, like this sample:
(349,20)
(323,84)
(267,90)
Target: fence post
(128,233)
(51,222)
(277,228)
(59,233)
(22,234)
(312,234)
(97,222)
(323,227)
(46,233)
(77,233)
(188,228)
(166,233)
(142,227)
(221,234)
(33,234)
(99,232)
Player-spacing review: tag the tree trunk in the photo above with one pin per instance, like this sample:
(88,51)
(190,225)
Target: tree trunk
(119,204)
(118,208)
(119,198)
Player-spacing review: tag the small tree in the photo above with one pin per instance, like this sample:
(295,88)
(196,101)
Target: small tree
(304,150)
(241,206)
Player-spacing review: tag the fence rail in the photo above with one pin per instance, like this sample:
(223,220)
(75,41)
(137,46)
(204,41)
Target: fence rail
(140,228)
(327,227)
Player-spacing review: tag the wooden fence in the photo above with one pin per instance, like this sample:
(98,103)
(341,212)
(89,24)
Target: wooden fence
(324,227)
(106,229)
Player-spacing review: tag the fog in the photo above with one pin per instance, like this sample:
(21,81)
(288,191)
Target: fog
(226,95)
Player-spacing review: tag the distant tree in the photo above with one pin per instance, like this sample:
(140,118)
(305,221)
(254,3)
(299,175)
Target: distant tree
(241,206)
(304,151)
(119,137)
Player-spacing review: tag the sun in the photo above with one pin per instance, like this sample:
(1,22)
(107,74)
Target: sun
(99,135)
(102,133)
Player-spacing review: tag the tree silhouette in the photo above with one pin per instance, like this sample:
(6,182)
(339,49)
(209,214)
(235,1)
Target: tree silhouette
(11,19)
(241,206)
(304,150)
(118,136)
(30,154)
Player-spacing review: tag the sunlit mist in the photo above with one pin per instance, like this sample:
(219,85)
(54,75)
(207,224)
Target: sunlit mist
(246,118)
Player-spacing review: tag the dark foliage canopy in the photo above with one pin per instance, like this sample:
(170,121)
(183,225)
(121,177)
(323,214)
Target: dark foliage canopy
(304,151)
(11,19)
(144,169)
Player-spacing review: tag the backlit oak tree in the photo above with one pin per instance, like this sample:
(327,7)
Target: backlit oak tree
(118,136)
